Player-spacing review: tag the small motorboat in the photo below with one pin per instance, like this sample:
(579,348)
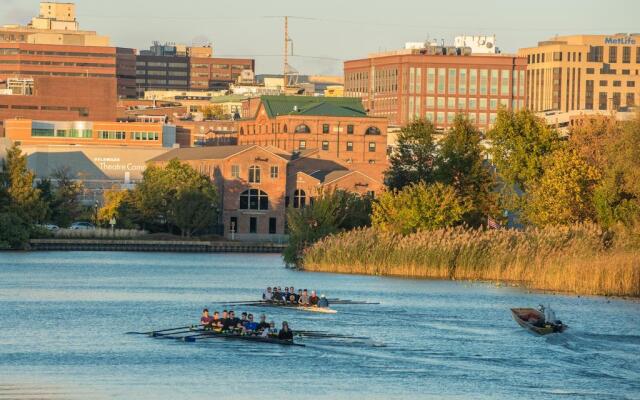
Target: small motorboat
(535,321)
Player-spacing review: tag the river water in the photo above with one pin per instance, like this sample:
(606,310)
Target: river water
(63,318)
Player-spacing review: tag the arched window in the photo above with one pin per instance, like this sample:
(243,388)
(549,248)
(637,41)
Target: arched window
(302,128)
(242,131)
(254,174)
(254,199)
(299,199)
(372,130)
(285,130)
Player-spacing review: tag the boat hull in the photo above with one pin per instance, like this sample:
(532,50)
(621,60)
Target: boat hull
(520,316)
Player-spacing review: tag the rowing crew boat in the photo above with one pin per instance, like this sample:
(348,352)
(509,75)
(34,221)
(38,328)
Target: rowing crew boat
(315,309)
(231,336)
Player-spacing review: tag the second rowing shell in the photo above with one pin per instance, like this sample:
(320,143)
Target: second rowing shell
(322,310)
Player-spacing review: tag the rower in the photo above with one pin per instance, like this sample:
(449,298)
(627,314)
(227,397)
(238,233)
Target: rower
(285,295)
(270,331)
(285,333)
(216,322)
(313,299)
(293,298)
(250,326)
(263,323)
(323,302)
(304,299)
(205,320)
(267,295)
(277,296)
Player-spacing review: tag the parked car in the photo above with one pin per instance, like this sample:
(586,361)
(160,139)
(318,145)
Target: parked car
(82,226)
(51,227)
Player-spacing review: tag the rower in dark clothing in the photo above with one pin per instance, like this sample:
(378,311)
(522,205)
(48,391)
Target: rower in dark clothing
(323,302)
(263,323)
(285,333)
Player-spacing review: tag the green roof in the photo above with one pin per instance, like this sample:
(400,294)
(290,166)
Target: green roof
(231,98)
(316,106)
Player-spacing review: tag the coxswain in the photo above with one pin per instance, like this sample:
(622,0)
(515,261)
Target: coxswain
(313,299)
(285,333)
(323,302)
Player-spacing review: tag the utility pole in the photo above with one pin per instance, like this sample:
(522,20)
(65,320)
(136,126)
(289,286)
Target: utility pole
(286,52)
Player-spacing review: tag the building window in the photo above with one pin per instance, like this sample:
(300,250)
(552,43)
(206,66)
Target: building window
(602,101)
(372,147)
(372,130)
(430,102)
(451,102)
(350,129)
(235,171)
(631,83)
(274,171)
(462,82)
(626,55)
(603,83)
(450,117)
(590,71)
(440,117)
(299,199)
(285,129)
(631,100)
(473,104)
(253,225)
(302,128)
(484,78)
(254,174)
(302,145)
(494,82)
(483,104)
(254,199)
(595,54)
(440,102)
(349,146)
(325,145)
(462,103)
(452,81)
(429,115)
(617,83)
(272,225)
(473,82)
(431,80)
(325,128)
(442,74)
(613,54)
(504,84)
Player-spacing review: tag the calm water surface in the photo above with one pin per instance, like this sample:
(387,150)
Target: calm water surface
(63,318)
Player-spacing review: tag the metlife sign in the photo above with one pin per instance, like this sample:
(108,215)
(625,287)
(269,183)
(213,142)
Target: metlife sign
(622,40)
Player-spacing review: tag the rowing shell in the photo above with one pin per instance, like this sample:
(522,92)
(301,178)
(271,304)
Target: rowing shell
(315,309)
(261,339)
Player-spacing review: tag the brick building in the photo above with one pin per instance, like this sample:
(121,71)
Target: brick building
(436,83)
(338,128)
(258,183)
(89,133)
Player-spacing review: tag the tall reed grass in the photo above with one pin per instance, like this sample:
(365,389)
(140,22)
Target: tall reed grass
(580,259)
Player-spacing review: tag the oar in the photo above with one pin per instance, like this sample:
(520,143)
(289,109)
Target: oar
(161,330)
(169,335)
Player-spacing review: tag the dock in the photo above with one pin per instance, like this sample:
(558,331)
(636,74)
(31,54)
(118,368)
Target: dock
(155,246)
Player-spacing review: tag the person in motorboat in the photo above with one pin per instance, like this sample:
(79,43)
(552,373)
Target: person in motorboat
(323,302)
(285,333)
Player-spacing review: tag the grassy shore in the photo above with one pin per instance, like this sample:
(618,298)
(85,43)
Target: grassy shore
(580,259)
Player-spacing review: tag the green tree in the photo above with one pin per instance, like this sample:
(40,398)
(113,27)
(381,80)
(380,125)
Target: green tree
(309,224)
(161,186)
(617,197)
(14,231)
(460,164)
(412,160)
(45,186)
(419,207)
(193,210)
(215,112)
(519,143)
(564,193)
(17,181)
(65,205)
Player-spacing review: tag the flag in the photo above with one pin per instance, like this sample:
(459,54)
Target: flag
(492,223)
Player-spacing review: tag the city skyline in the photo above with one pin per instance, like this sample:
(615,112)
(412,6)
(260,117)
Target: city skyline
(318,35)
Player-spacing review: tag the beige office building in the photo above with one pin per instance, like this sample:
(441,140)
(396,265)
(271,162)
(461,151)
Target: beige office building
(583,72)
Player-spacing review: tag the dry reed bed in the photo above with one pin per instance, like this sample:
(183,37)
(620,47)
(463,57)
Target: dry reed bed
(569,258)
(98,233)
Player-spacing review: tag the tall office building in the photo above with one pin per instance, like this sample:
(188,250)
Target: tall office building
(437,83)
(583,72)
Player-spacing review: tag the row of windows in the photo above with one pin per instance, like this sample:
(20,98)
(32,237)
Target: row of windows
(467,81)
(460,103)
(56,63)
(51,73)
(304,128)
(64,133)
(82,111)
(441,117)
(253,225)
(112,135)
(161,64)
(161,81)
(13,51)
(595,54)
(302,145)
(255,173)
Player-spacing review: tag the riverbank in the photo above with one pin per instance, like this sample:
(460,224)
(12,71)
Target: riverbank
(154,246)
(580,259)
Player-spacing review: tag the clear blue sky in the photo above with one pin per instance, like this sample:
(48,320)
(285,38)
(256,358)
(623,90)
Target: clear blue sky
(339,29)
